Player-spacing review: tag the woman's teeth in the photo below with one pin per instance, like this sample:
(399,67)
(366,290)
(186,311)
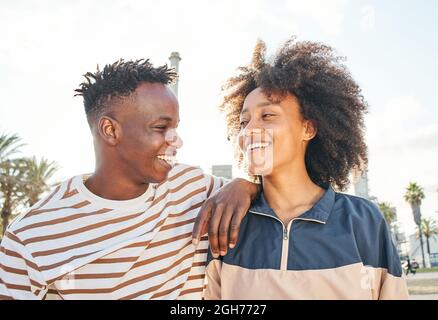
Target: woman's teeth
(169,159)
(259,145)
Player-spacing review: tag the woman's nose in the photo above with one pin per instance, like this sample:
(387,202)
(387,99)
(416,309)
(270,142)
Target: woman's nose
(250,132)
(173,139)
(245,136)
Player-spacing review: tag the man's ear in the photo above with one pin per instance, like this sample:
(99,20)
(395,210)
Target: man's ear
(109,130)
(310,130)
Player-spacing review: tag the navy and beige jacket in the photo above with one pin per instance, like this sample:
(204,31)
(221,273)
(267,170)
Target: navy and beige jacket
(339,249)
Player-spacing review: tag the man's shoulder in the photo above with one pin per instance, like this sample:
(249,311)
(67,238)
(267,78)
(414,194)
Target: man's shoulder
(183,182)
(181,173)
(60,197)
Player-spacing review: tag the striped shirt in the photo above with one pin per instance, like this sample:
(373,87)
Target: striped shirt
(76,245)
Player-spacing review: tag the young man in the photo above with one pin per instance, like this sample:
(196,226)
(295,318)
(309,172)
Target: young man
(123,232)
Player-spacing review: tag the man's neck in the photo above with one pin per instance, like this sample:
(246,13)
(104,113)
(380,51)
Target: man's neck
(290,192)
(111,184)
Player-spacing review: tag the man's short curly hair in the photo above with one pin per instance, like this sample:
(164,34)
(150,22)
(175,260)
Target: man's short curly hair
(118,80)
(327,95)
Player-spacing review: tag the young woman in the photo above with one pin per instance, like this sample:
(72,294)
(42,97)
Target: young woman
(299,124)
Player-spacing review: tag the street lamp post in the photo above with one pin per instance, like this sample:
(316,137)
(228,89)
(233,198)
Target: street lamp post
(417,219)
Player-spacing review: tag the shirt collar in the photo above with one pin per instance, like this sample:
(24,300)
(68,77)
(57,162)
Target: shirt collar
(319,212)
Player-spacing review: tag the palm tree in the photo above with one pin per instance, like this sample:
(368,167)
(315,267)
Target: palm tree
(37,174)
(430,230)
(10,173)
(22,180)
(388,213)
(9,145)
(11,188)
(414,195)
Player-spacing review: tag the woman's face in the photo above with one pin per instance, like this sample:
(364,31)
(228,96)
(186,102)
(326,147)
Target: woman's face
(273,134)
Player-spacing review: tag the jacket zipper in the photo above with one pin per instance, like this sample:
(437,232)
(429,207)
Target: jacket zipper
(286,231)
(285,244)
(285,248)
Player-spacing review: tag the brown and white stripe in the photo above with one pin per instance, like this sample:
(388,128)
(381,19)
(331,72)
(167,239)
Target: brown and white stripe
(75,245)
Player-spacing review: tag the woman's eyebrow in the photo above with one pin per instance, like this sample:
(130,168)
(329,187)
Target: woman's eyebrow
(261,104)
(265,103)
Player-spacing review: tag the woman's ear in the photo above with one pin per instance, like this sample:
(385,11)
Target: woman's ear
(310,130)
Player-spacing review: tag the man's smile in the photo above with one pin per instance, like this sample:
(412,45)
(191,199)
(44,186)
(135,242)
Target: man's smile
(167,159)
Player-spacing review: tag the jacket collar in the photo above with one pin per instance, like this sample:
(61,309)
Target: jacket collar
(320,212)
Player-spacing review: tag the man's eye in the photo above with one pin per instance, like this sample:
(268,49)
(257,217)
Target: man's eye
(267,115)
(160,127)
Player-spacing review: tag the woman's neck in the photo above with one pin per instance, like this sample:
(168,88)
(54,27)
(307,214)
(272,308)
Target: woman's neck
(290,192)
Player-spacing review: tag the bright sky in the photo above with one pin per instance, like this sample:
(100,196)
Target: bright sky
(391,49)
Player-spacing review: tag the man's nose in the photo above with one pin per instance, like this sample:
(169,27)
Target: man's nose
(173,139)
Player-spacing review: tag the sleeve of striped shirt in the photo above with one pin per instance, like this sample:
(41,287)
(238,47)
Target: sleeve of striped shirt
(19,275)
(214,183)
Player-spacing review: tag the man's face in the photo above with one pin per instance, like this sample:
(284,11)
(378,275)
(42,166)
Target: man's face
(149,141)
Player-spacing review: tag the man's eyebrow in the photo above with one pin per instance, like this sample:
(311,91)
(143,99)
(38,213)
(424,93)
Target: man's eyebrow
(165,118)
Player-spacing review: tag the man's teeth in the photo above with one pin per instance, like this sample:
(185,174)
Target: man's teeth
(259,145)
(169,159)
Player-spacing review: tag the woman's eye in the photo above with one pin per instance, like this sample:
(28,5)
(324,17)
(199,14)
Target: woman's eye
(267,115)
(160,127)
(243,123)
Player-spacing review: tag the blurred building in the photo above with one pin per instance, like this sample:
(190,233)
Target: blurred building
(174,59)
(225,171)
(400,240)
(360,182)
(415,250)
